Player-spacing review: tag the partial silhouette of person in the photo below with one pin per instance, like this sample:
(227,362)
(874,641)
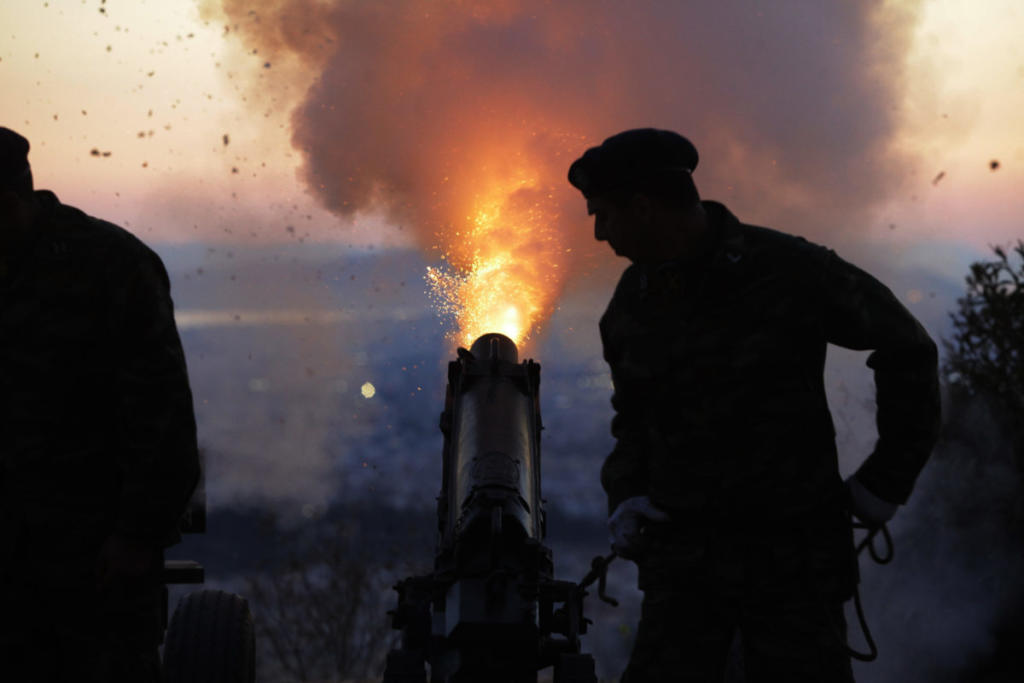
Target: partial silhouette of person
(98,452)
(723,485)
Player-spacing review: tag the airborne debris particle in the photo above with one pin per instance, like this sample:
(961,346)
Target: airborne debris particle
(993,165)
(96,153)
(226,139)
(266,65)
(940,176)
(234,169)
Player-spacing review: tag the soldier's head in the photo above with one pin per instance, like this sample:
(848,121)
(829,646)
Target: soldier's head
(639,188)
(15,186)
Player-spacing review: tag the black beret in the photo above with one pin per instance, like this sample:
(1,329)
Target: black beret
(13,157)
(632,159)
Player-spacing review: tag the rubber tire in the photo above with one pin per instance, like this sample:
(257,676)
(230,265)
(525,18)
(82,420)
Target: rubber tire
(210,640)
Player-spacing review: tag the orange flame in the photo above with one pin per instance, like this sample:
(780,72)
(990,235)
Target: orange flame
(503,266)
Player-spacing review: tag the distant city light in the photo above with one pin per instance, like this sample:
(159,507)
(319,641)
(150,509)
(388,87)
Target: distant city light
(368,390)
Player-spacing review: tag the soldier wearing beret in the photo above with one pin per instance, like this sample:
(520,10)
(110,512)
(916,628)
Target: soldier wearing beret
(723,485)
(98,452)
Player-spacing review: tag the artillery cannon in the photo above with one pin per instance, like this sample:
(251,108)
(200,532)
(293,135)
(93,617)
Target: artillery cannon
(491,611)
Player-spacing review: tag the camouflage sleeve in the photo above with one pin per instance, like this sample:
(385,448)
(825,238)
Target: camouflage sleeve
(861,313)
(624,473)
(159,458)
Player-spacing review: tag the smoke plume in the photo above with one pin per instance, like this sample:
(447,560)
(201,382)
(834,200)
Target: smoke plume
(446,115)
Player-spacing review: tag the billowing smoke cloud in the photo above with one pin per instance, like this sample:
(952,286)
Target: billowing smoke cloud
(443,112)
(417,103)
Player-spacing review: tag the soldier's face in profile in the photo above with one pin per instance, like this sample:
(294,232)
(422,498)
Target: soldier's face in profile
(613,224)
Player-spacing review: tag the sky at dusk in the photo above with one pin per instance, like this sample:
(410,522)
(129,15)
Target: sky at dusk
(888,130)
(934,87)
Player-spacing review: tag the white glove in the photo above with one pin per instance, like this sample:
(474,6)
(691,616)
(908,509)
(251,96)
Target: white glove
(868,507)
(626,521)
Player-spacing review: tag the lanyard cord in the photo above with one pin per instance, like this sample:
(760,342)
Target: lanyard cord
(883,556)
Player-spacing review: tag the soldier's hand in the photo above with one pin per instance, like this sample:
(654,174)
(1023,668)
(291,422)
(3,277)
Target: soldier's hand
(121,560)
(626,524)
(868,507)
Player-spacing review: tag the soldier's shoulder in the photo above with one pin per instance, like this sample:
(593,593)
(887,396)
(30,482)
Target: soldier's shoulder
(783,251)
(84,233)
(774,240)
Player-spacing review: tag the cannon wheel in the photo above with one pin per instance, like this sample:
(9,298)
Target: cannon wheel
(210,640)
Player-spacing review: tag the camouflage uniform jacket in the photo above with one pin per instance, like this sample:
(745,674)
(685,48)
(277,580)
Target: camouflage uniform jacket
(96,419)
(717,365)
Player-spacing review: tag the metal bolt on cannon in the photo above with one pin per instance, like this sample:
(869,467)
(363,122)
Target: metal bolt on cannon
(491,610)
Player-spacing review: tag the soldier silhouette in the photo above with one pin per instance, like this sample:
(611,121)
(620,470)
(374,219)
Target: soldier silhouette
(98,450)
(723,485)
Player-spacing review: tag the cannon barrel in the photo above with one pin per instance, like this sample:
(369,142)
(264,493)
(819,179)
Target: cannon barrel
(491,423)
(488,611)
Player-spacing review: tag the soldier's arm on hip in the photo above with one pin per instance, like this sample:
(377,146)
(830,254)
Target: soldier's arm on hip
(861,313)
